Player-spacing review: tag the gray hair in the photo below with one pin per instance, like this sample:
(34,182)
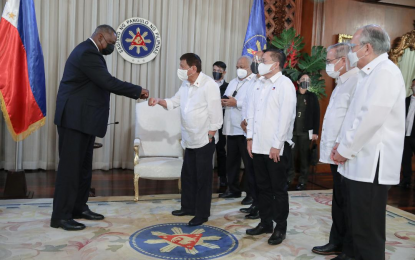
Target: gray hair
(249,59)
(341,49)
(377,37)
(104,28)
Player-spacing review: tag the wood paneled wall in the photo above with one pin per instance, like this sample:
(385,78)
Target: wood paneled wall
(322,21)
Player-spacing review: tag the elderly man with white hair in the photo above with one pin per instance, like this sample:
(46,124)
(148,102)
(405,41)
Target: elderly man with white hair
(371,140)
(337,67)
(233,101)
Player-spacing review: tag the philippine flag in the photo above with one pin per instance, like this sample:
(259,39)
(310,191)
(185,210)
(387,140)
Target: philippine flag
(22,70)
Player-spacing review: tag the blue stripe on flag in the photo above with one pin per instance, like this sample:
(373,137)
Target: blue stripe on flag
(27,28)
(255,37)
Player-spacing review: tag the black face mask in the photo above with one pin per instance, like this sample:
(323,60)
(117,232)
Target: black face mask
(109,49)
(254,67)
(304,84)
(217,75)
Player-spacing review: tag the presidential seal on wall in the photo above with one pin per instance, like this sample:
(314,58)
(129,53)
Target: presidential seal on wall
(138,40)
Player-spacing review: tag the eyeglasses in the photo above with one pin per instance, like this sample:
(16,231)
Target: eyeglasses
(352,45)
(330,61)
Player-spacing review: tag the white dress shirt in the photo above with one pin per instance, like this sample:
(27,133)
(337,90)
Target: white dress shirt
(336,111)
(374,127)
(220,82)
(94,44)
(248,96)
(200,109)
(410,116)
(233,115)
(271,114)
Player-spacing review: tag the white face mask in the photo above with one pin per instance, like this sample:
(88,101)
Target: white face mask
(265,68)
(182,74)
(353,59)
(241,73)
(331,71)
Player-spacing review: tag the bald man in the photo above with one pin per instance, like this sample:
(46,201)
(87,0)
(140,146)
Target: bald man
(82,109)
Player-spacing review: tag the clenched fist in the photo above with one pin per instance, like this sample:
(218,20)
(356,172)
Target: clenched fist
(153,101)
(144,93)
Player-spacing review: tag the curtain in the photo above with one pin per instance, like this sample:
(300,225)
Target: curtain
(214,29)
(407,66)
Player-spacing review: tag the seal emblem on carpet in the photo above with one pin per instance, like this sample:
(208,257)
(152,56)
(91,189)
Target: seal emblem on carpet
(180,241)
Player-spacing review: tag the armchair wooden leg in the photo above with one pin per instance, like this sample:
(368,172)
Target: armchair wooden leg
(180,185)
(136,191)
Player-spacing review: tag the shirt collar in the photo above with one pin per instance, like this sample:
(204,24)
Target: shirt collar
(272,79)
(220,83)
(197,82)
(372,65)
(343,78)
(94,44)
(247,78)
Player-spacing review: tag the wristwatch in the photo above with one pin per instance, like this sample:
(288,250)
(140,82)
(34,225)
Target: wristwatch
(210,136)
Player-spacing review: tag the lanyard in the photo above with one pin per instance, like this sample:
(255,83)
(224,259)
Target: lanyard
(236,91)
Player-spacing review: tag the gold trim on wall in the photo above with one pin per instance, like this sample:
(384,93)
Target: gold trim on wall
(344,37)
(404,42)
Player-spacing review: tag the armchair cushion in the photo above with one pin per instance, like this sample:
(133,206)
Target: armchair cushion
(159,168)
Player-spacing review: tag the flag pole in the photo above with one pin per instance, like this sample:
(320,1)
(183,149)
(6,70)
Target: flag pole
(19,157)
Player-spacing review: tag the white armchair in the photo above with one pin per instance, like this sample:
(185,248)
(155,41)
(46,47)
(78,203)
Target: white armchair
(157,148)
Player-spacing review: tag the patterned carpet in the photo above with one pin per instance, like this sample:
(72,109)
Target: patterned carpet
(147,230)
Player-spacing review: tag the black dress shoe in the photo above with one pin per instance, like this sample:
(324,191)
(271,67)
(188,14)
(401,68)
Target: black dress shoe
(197,221)
(248,200)
(300,186)
(253,215)
(229,195)
(343,256)
(70,224)
(259,230)
(328,249)
(276,238)
(246,210)
(88,214)
(180,213)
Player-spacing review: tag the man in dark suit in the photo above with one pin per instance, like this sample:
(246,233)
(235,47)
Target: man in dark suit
(219,71)
(307,119)
(409,144)
(82,109)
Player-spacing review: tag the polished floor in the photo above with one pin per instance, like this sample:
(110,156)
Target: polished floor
(118,182)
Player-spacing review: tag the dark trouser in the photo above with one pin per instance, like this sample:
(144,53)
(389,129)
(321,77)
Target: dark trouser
(271,180)
(302,147)
(197,179)
(237,149)
(366,211)
(73,179)
(408,151)
(221,154)
(339,233)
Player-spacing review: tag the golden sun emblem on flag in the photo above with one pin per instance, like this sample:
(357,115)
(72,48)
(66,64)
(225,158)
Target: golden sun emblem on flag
(179,239)
(258,45)
(138,40)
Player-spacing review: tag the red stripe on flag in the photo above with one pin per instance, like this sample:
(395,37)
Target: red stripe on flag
(19,102)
